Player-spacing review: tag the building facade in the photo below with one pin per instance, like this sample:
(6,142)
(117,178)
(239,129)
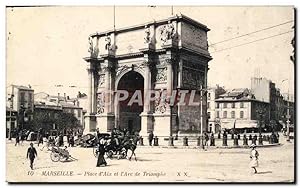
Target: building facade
(213,93)
(165,55)
(21,100)
(64,102)
(265,90)
(238,109)
(11,121)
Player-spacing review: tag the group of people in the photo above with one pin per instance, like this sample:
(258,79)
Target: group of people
(118,138)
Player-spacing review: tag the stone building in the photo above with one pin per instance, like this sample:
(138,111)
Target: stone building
(213,93)
(11,121)
(21,100)
(238,109)
(265,90)
(67,104)
(165,55)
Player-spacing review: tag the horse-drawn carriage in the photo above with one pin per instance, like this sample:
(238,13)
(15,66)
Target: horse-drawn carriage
(118,145)
(59,154)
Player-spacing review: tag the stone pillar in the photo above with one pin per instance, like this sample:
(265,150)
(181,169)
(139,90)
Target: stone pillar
(90,89)
(89,119)
(146,115)
(106,120)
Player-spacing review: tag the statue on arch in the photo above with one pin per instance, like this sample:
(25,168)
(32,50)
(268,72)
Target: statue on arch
(147,35)
(108,43)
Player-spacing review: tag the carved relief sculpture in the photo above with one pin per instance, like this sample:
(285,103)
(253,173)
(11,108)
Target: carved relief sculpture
(100,103)
(147,35)
(160,106)
(101,80)
(161,74)
(167,32)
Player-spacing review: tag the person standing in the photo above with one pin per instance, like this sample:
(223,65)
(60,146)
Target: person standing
(40,139)
(17,139)
(101,152)
(31,153)
(45,143)
(151,136)
(206,139)
(254,158)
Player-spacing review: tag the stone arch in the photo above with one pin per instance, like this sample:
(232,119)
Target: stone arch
(126,70)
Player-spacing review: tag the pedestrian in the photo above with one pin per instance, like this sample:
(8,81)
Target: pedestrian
(40,139)
(31,153)
(206,138)
(22,137)
(17,139)
(60,140)
(71,141)
(101,152)
(151,136)
(253,158)
(45,143)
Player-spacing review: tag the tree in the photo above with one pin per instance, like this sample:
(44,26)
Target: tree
(66,121)
(45,119)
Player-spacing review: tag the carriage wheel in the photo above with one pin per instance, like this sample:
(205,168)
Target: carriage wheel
(54,156)
(95,151)
(63,158)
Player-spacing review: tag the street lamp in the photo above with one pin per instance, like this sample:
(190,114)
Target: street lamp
(201,114)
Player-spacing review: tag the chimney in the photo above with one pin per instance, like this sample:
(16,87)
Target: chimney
(65,96)
(58,95)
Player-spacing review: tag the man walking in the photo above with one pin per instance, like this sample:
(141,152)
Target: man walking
(31,153)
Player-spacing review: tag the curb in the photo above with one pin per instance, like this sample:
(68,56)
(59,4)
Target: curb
(211,147)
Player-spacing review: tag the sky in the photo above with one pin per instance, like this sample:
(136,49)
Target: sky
(46,45)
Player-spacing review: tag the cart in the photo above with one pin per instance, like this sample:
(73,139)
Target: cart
(59,154)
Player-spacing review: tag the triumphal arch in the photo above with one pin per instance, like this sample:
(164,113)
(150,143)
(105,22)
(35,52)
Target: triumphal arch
(165,55)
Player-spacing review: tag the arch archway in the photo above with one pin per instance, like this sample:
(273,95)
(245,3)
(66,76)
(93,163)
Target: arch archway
(128,115)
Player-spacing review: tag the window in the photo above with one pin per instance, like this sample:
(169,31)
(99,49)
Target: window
(241,114)
(233,105)
(208,115)
(218,114)
(79,113)
(225,114)
(22,97)
(232,114)
(217,105)
(208,96)
(29,97)
(241,105)
(225,105)
(208,105)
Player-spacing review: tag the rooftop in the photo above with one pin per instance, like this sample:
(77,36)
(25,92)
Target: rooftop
(179,17)
(23,87)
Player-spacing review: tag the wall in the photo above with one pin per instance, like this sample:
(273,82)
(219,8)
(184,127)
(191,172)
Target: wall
(260,87)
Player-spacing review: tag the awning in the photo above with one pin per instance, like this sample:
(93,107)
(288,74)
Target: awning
(239,124)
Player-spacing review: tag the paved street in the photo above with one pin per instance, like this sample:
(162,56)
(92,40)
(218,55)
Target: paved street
(156,164)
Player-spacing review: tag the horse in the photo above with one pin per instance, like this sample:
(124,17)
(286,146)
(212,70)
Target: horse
(131,145)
